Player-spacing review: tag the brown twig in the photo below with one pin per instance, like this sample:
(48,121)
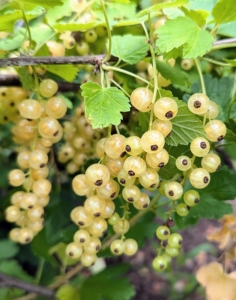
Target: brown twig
(8,281)
(21,61)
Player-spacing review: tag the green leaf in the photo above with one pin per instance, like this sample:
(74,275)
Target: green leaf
(129,48)
(26,78)
(198,16)
(184,32)
(210,208)
(8,249)
(12,268)
(67,292)
(12,43)
(183,222)
(97,288)
(224,11)
(42,35)
(228,29)
(143,229)
(60,251)
(58,12)
(219,91)
(230,135)
(67,72)
(202,4)
(222,185)
(76,26)
(28,4)
(40,246)
(116,12)
(232,62)
(68,233)
(160,6)
(68,102)
(169,170)
(8,20)
(186,127)
(174,75)
(122,1)
(104,105)
(143,120)
(131,22)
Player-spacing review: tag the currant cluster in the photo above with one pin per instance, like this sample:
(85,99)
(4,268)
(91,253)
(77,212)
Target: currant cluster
(10,98)
(36,130)
(80,139)
(125,163)
(199,177)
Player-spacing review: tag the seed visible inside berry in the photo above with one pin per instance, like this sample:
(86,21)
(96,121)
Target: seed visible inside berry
(205,179)
(127,148)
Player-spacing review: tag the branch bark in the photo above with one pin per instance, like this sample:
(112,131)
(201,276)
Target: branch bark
(95,60)
(21,61)
(8,281)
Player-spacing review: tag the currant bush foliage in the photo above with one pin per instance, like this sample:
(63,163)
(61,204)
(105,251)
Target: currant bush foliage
(146,128)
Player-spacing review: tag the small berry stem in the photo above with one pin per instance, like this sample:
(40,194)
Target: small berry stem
(200,76)
(108,32)
(120,87)
(110,68)
(26,25)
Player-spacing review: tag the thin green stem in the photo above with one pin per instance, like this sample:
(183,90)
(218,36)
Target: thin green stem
(108,55)
(133,220)
(110,68)
(153,64)
(117,130)
(121,88)
(172,208)
(102,77)
(27,25)
(117,63)
(223,46)
(216,62)
(200,76)
(214,30)
(233,92)
(109,130)
(42,44)
(39,270)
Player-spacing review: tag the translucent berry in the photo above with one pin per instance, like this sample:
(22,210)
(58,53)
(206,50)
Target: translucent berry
(165,109)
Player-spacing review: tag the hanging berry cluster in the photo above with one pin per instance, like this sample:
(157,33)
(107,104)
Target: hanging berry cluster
(35,130)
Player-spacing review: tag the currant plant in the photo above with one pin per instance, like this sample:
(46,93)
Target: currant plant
(122,112)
